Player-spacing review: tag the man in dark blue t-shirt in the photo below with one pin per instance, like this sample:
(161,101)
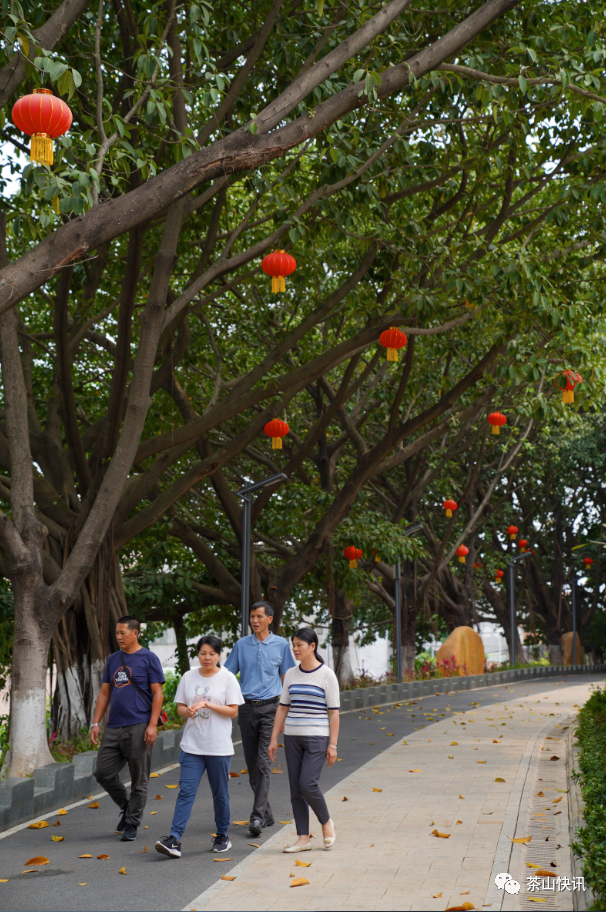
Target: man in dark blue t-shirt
(131,728)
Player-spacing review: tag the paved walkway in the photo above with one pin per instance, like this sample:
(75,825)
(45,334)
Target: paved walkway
(474,777)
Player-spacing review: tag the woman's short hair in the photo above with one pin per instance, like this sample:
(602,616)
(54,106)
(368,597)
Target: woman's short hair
(210,640)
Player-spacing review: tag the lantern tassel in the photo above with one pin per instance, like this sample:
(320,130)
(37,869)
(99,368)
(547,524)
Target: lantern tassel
(512,537)
(282,282)
(41,149)
(449,513)
(496,429)
(353,565)
(276,443)
(392,354)
(377,558)
(461,558)
(275,285)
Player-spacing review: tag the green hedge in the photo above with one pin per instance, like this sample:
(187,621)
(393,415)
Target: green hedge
(591,839)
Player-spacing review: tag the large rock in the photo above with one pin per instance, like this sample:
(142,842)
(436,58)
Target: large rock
(467,648)
(567,658)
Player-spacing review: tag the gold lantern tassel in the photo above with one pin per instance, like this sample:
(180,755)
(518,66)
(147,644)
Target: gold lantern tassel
(276,443)
(41,149)
(392,354)
(461,558)
(275,285)
(353,565)
(449,513)
(377,558)
(496,429)
(282,283)
(513,537)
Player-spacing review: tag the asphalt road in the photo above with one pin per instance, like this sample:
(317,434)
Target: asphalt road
(153,882)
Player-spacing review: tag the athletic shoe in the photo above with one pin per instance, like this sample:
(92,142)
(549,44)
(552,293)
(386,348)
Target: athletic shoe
(269,821)
(129,833)
(169,845)
(221,844)
(122,822)
(255,826)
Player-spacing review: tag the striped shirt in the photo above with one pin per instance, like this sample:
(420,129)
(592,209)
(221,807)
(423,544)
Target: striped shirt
(309,695)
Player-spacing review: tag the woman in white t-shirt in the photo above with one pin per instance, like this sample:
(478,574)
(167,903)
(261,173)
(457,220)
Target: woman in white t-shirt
(208,697)
(309,712)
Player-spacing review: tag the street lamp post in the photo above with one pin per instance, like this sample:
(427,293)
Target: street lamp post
(245,493)
(512,605)
(573,594)
(396,575)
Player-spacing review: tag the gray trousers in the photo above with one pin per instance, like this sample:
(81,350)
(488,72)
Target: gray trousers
(120,746)
(256,726)
(305,757)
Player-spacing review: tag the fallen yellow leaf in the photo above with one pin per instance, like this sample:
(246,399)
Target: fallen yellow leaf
(454,743)
(494,741)
(540,794)
(440,835)
(222,859)
(122,871)
(254,844)
(498,779)
(57,838)
(3,879)
(450,757)
(38,860)
(414,771)
(85,856)
(242,772)
(462,796)
(144,850)
(153,776)
(459,821)
(234,775)
(176,786)
(244,822)
(376,790)
(276,770)
(154,812)
(94,805)
(39,825)
(302,864)
(83,885)
(31,871)
(158,798)
(555,800)
(543,873)
(522,840)
(436,895)
(529,864)
(57,823)
(465,893)
(61,812)
(481,761)
(299,882)
(281,821)
(345,798)
(227,877)
(536,899)
(102,856)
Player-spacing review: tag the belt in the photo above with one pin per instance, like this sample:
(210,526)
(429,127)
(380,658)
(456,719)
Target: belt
(261,702)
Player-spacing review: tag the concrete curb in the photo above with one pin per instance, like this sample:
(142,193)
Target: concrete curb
(59,784)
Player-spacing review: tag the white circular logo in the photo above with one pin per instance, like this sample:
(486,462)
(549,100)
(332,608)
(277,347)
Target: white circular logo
(501,879)
(512,886)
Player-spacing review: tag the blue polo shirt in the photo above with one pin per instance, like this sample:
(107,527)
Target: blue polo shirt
(260,663)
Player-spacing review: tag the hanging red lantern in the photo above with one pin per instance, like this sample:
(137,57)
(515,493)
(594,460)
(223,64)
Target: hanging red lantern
(44,117)
(376,554)
(278,265)
(566,381)
(392,339)
(276,429)
(499,574)
(512,531)
(497,420)
(588,561)
(462,552)
(450,506)
(522,544)
(353,555)
(476,566)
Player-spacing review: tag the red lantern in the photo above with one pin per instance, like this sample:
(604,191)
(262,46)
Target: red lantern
(276,429)
(393,339)
(588,561)
(512,531)
(522,544)
(278,265)
(499,575)
(376,554)
(43,117)
(450,506)
(497,420)
(353,555)
(462,552)
(476,566)
(566,381)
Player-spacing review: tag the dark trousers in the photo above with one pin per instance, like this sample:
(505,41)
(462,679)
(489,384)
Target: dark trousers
(256,726)
(192,770)
(120,746)
(305,757)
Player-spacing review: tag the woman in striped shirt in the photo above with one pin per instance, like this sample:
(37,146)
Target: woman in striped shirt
(309,712)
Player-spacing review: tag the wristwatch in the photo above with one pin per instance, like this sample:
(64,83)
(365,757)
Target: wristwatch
(94,725)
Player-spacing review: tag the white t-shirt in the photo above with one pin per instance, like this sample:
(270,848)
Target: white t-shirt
(208,733)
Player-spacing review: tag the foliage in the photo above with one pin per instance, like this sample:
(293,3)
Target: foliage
(63,751)
(590,843)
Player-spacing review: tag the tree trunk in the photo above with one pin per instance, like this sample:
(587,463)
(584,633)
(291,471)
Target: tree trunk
(181,637)
(341,624)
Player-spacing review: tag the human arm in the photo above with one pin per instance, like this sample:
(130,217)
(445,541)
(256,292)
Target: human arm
(331,750)
(230,710)
(151,732)
(100,707)
(279,721)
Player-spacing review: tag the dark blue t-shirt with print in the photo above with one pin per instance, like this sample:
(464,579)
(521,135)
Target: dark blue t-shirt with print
(127,707)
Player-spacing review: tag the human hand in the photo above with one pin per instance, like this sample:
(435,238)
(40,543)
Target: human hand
(151,733)
(272,750)
(94,735)
(331,755)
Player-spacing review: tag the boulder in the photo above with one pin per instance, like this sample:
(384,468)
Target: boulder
(467,648)
(567,658)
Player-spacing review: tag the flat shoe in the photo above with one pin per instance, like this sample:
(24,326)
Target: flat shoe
(294,849)
(329,841)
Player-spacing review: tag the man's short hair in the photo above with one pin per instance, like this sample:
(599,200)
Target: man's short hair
(269,611)
(131,622)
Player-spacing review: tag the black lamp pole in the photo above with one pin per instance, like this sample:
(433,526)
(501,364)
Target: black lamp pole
(245,493)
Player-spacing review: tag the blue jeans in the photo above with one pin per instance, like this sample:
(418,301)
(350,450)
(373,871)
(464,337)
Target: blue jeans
(192,770)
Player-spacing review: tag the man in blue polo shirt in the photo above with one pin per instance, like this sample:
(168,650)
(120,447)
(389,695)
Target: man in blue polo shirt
(262,660)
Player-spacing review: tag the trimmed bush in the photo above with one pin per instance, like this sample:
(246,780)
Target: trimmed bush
(591,839)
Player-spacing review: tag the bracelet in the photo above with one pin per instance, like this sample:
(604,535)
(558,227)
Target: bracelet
(94,725)
(333,745)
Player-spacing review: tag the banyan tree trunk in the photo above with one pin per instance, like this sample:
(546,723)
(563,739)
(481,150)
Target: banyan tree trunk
(341,624)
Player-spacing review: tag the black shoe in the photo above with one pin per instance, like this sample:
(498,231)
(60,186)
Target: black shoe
(122,822)
(129,833)
(255,826)
(221,844)
(269,821)
(169,845)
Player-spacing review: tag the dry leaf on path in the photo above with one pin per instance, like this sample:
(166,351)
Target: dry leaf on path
(227,877)
(454,743)
(345,798)
(158,797)
(39,825)
(279,821)
(153,776)
(276,771)
(536,899)
(436,895)
(234,775)
(57,838)
(122,871)
(57,823)
(465,893)
(459,821)
(245,771)
(244,822)
(222,859)
(154,812)
(94,805)
(414,771)
(543,873)
(440,835)
(38,860)
(554,758)
(302,864)
(450,757)
(494,741)
(529,864)
(102,856)
(498,779)
(555,800)
(390,734)
(176,786)
(85,856)
(143,852)
(540,794)
(480,761)
(462,796)
(83,884)
(31,871)
(254,844)
(61,812)
(380,790)
(562,790)
(522,840)
(3,879)
(299,882)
